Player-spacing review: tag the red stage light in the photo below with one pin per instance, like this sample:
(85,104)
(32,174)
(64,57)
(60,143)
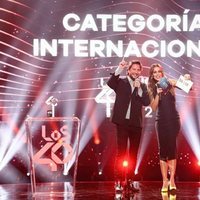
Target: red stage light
(97,141)
(125,163)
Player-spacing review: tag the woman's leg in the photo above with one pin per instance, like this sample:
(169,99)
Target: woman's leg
(164,172)
(172,170)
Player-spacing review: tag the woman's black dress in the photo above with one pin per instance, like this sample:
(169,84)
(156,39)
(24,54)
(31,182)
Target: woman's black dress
(167,126)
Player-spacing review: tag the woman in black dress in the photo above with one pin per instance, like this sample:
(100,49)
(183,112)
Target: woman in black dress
(167,123)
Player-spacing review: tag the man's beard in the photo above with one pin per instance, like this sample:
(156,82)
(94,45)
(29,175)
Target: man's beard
(132,77)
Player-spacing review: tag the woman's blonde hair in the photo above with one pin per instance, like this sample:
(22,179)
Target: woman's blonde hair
(152,82)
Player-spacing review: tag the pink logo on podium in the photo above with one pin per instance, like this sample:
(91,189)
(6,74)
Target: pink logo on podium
(54,143)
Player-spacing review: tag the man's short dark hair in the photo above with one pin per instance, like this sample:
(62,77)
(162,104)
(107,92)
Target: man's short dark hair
(137,62)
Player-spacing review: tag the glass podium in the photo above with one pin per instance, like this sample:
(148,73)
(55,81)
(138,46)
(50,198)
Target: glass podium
(53,145)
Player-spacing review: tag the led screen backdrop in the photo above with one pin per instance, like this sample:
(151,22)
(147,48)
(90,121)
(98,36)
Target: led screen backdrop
(67,49)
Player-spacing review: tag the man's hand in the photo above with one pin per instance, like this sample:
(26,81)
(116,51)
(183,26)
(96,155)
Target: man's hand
(137,83)
(123,64)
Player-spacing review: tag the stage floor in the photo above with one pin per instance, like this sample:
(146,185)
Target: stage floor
(97,190)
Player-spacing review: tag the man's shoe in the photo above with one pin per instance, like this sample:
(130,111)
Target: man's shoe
(118,196)
(131,186)
(118,187)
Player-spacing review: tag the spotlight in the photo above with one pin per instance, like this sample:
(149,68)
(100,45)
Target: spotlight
(100,172)
(53,102)
(136,171)
(125,163)
(65,173)
(198,163)
(125,169)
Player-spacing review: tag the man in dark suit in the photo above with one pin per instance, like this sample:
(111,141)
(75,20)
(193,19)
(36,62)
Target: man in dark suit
(131,96)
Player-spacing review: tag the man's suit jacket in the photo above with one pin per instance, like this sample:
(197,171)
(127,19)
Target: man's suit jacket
(124,95)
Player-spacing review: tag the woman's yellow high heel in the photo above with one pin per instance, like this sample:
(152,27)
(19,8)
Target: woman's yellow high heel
(165,186)
(172,188)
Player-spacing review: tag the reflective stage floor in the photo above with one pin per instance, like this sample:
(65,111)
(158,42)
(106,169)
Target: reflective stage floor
(97,190)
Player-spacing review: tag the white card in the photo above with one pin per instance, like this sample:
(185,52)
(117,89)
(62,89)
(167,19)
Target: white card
(184,84)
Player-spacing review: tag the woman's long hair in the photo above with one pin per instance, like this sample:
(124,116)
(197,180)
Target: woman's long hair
(152,82)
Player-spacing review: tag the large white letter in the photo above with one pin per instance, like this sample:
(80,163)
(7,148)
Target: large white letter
(154,26)
(119,25)
(132,49)
(89,23)
(152,44)
(163,48)
(191,47)
(46,47)
(195,23)
(104,20)
(171,48)
(173,21)
(71,17)
(81,48)
(65,44)
(139,25)
(36,48)
(185,20)
(97,47)
(112,48)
